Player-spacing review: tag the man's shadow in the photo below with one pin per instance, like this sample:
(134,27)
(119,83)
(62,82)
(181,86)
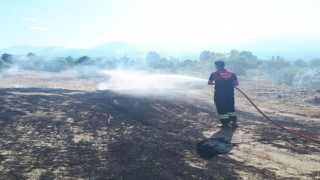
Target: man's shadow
(218,143)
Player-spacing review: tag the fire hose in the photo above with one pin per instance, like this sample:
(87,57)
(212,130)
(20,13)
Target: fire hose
(288,130)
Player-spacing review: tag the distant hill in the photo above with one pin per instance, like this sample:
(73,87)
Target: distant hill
(288,46)
(110,49)
(23,49)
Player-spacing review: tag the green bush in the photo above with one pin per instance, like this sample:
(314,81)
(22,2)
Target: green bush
(288,75)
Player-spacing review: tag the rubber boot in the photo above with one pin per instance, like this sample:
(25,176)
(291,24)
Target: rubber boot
(234,124)
(224,123)
(233,120)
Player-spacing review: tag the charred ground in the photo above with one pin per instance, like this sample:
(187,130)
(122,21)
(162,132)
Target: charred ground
(51,133)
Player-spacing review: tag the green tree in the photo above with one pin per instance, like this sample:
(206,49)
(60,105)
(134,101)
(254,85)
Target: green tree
(69,59)
(190,67)
(205,55)
(300,63)
(30,54)
(1,63)
(310,81)
(315,65)
(7,58)
(273,66)
(242,54)
(287,75)
(83,60)
(241,61)
(153,59)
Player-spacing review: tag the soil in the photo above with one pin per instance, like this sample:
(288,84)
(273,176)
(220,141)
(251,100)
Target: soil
(57,126)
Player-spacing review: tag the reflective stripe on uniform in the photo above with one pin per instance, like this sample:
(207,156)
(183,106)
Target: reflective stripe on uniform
(223,116)
(232,113)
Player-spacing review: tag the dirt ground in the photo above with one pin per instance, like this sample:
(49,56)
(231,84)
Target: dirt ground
(57,126)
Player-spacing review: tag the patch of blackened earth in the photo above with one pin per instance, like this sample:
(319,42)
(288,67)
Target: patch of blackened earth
(56,133)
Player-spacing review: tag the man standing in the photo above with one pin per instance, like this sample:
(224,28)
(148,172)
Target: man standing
(225,81)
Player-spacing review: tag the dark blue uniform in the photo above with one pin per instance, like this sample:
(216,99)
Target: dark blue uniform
(224,94)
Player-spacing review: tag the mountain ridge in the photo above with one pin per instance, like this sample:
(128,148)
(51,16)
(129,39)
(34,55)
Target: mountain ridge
(288,46)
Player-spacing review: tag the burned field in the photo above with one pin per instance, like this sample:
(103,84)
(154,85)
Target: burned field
(61,133)
(81,133)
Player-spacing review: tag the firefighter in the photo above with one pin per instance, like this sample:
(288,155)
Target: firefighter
(225,81)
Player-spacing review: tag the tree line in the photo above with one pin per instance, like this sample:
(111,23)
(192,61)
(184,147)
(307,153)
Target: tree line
(243,63)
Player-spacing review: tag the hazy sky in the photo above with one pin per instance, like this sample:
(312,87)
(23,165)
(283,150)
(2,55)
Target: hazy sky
(89,23)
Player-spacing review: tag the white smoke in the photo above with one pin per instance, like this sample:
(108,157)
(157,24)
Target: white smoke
(39,71)
(121,80)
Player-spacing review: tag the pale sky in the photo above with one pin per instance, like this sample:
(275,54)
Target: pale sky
(89,23)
